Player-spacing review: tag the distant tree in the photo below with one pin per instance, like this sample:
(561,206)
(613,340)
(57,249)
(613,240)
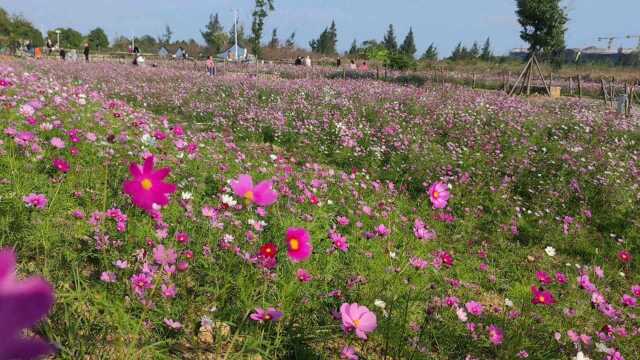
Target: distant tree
(23,30)
(5,24)
(147,43)
(487,53)
(408,47)
(274,43)
(260,13)
(475,50)
(326,43)
(543,26)
(290,43)
(214,35)
(120,43)
(457,52)
(165,38)
(431,53)
(98,39)
(354,48)
(390,42)
(69,37)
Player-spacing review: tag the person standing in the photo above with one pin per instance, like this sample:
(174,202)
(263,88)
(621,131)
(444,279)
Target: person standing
(307,61)
(86,52)
(63,54)
(338,62)
(49,46)
(211,66)
(352,65)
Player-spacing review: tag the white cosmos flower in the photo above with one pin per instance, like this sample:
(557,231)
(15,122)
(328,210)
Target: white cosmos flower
(550,251)
(228,200)
(187,195)
(580,356)
(379,303)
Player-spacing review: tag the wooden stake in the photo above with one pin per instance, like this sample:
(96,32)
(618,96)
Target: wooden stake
(580,86)
(473,85)
(571,86)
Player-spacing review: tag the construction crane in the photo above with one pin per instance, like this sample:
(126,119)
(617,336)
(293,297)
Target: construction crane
(609,39)
(634,37)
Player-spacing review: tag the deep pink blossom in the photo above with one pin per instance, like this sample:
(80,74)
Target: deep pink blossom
(541,296)
(147,186)
(38,201)
(271,314)
(22,304)
(298,242)
(496,335)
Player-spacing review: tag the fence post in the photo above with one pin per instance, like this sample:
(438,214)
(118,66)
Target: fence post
(580,86)
(473,85)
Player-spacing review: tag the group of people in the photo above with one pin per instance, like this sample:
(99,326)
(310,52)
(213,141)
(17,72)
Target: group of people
(352,65)
(306,61)
(63,53)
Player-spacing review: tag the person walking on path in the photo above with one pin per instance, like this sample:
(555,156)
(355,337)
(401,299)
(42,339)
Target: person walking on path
(86,52)
(63,54)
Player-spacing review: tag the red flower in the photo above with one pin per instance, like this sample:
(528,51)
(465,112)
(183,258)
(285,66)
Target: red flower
(625,256)
(269,250)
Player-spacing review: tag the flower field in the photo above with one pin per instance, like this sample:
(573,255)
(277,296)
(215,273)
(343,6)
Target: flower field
(177,215)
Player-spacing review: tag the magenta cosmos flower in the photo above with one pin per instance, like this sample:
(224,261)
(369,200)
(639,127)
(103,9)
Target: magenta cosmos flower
(22,305)
(358,318)
(147,186)
(439,195)
(261,315)
(261,194)
(61,165)
(298,243)
(496,335)
(541,296)
(38,201)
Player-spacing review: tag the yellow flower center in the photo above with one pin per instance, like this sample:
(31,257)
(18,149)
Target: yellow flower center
(436,194)
(267,317)
(356,323)
(146,184)
(294,244)
(541,299)
(248,195)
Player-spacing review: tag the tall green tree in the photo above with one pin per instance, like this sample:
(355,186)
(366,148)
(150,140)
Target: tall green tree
(165,38)
(326,43)
(214,35)
(69,38)
(98,39)
(5,24)
(431,53)
(543,25)
(408,46)
(475,50)
(290,43)
(390,43)
(260,13)
(274,43)
(353,50)
(23,30)
(487,53)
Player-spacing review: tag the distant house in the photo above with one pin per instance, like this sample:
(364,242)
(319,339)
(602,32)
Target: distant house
(230,54)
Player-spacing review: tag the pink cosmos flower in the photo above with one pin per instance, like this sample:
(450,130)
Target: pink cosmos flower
(164,256)
(339,241)
(629,301)
(108,277)
(544,278)
(22,304)
(418,263)
(262,194)
(168,291)
(57,143)
(182,238)
(561,278)
(358,318)
(261,315)
(496,335)
(141,282)
(147,186)
(635,289)
(474,308)
(541,296)
(61,165)
(348,353)
(38,201)
(298,242)
(439,195)
(303,275)
(172,324)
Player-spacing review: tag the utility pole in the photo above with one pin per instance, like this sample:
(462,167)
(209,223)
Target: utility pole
(235,28)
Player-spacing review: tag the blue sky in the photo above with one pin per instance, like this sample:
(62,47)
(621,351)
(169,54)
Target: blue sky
(443,22)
